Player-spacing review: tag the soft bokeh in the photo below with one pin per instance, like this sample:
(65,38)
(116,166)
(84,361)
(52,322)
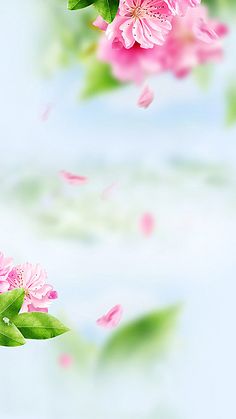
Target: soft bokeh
(152,229)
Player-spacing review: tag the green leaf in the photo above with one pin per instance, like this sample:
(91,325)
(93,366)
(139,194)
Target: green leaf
(11,303)
(37,325)
(231,105)
(79,4)
(141,340)
(10,335)
(107,9)
(203,75)
(98,79)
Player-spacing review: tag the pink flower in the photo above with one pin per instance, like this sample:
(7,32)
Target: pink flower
(146,22)
(5,267)
(179,7)
(32,278)
(146,97)
(112,318)
(73,179)
(194,40)
(147,224)
(65,360)
(133,64)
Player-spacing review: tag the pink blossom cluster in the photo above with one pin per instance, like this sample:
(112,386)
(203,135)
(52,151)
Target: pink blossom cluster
(154,36)
(38,294)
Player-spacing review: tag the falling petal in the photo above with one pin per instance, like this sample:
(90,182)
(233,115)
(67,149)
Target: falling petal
(147,224)
(73,179)
(146,97)
(112,318)
(107,192)
(45,113)
(65,360)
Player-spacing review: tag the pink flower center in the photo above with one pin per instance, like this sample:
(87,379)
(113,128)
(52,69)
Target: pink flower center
(147,9)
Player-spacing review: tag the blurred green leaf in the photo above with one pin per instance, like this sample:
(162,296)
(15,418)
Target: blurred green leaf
(98,79)
(11,303)
(39,325)
(107,9)
(10,335)
(79,4)
(141,340)
(203,75)
(231,105)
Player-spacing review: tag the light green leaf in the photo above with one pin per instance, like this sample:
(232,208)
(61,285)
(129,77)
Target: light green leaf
(79,4)
(107,9)
(98,79)
(39,325)
(203,75)
(11,303)
(231,105)
(141,340)
(10,335)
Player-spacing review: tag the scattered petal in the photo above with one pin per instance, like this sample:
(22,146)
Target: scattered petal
(65,360)
(45,113)
(112,318)
(147,224)
(107,192)
(73,179)
(146,97)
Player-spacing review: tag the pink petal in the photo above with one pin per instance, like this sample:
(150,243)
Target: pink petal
(204,32)
(147,224)
(100,23)
(46,111)
(146,97)
(31,308)
(52,295)
(73,179)
(4,286)
(112,318)
(65,360)
(107,192)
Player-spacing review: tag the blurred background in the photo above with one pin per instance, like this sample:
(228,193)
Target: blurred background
(153,229)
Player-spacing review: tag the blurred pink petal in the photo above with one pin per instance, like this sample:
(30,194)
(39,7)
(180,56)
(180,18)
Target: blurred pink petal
(65,360)
(5,268)
(147,224)
(179,7)
(107,192)
(146,97)
(112,318)
(73,179)
(204,32)
(45,113)
(100,23)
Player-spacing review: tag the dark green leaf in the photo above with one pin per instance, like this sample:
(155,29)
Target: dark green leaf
(11,303)
(107,9)
(10,335)
(39,325)
(142,339)
(79,4)
(98,79)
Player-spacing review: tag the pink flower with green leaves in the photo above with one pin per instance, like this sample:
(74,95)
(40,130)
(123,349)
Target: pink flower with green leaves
(38,294)
(5,267)
(146,22)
